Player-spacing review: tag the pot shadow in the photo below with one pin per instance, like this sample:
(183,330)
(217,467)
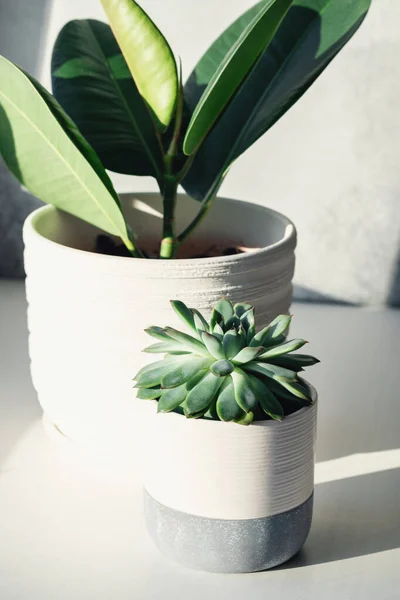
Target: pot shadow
(19,407)
(352,517)
(394,292)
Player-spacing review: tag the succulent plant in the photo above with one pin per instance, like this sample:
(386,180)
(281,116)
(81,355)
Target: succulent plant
(225,370)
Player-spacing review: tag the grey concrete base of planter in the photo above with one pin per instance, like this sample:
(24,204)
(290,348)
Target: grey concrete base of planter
(224,546)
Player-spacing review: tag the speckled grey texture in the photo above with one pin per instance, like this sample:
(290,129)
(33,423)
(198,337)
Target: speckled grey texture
(224,546)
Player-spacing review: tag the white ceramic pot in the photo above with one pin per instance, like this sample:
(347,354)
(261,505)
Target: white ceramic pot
(87,311)
(229,498)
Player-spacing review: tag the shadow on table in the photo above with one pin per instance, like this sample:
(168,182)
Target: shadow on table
(353,517)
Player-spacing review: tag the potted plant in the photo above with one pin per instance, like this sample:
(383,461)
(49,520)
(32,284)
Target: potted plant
(120,104)
(218,496)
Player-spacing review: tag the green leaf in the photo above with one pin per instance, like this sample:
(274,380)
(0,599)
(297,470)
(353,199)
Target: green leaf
(153,377)
(158,363)
(244,393)
(232,71)
(247,354)
(158,333)
(247,419)
(188,342)
(310,36)
(294,388)
(225,309)
(233,342)
(222,367)
(213,345)
(283,349)
(49,156)
(258,338)
(185,314)
(148,55)
(272,371)
(276,328)
(227,407)
(216,317)
(172,398)
(166,347)
(201,396)
(199,321)
(268,401)
(148,393)
(232,322)
(295,362)
(218,332)
(184,371)
(92,82)
(241,308)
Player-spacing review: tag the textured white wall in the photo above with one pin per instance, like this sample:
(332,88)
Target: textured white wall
(331,164)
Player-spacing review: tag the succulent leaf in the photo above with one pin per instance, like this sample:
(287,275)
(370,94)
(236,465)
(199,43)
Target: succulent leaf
(184,371)
(151,366)
(258,339)
(184,313)
(294,388)
(227,407)
(247,354)
(232,342)
(247,419)
(213,345)
(240,308)
(272,371)
(200,397)
(187,340)
(149,394)
(152,377)
(283,349)
(216,317)
(199,321)
(244,393)
(158,333)
(225,309)
(276,329)
(222,367)
(268,401)
(218,332)
(172,398)
(165,348)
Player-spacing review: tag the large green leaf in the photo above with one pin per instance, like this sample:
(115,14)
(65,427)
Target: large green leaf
(49,156)
(92,82)
(233,69)
(310,36)
(148,55)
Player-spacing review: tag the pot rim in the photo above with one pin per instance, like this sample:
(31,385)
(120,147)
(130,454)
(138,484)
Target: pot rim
(265,424)
(289,237)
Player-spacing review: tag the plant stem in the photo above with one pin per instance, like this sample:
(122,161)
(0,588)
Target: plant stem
(204,208)
(168,246)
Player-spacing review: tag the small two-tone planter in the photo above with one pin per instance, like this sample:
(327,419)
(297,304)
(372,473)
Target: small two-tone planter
(229,469)
(229,498)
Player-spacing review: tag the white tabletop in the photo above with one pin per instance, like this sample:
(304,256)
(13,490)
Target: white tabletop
(71,530)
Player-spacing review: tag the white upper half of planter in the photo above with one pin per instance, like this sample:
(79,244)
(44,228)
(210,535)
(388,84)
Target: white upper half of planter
(229,471)
(87,312)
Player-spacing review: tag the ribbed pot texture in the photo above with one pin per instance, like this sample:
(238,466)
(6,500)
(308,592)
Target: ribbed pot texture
(87,311)
(225,497)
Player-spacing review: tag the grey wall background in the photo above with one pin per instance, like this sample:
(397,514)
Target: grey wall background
(331,164)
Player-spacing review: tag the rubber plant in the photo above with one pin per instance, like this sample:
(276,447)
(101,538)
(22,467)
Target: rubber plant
(120,104)
(224,369)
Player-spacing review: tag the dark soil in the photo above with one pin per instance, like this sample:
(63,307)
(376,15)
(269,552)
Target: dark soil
(106,245)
